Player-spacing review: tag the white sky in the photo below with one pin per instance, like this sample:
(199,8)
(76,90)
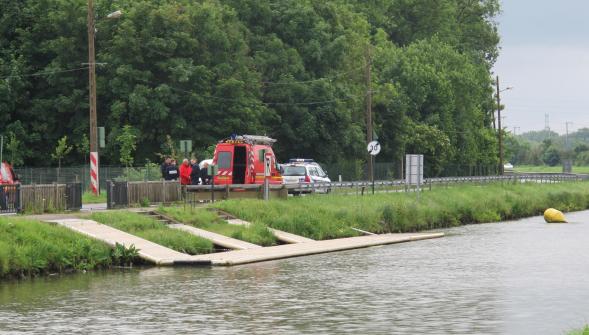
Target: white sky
(545,56)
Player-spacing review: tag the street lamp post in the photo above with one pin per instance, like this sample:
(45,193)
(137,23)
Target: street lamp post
(500,135)
(94,162)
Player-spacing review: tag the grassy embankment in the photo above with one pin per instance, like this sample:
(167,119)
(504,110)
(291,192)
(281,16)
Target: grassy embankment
(29,248)
(154,231)
(256,233)
(548,169)
(326,217)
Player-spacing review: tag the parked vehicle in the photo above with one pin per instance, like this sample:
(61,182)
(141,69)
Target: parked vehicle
(305,171)
(7,176)
(240,160)
(8,179)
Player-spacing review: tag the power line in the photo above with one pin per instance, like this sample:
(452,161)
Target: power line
(304,103)
(338,75)
(37,74)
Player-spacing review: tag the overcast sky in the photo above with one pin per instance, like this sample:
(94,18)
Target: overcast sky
(545,56)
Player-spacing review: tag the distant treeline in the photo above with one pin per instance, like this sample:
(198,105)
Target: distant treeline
(291,69)
(548,148)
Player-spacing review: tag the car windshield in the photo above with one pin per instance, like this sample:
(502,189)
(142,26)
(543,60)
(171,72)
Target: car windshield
(294,171)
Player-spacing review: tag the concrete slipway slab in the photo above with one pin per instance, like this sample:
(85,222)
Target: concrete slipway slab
(161,255)
(148,250)
(218,239)
(308,248)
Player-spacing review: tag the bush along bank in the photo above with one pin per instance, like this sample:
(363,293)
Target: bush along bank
(29,248)
(256,233)
(326,217)
(154,231)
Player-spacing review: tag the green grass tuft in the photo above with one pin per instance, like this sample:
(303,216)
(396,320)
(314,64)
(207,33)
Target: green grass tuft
(201,218)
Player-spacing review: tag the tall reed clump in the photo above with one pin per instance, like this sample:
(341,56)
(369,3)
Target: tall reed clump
(154,231)
(255,233)
(29,248)
(334,216)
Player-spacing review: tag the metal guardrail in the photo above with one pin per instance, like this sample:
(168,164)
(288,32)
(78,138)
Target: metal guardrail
(124,194)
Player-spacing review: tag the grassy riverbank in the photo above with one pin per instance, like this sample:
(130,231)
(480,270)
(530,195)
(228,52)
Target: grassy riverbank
(154,231)
(29,248)
(326,217)
(548,169)
(256,233)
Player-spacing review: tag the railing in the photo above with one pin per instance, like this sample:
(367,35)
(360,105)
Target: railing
(10,199)
(124,194)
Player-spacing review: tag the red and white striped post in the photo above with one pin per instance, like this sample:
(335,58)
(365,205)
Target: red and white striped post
(94,172)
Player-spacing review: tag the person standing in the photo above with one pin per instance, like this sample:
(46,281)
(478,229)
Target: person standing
(164,167)
(204,174)
(195,173)
(185,172)
(172,171)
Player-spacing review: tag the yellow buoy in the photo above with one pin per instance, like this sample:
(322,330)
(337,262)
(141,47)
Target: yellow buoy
(552,215)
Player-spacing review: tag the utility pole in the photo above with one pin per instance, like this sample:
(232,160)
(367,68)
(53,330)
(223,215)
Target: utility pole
(515,130)
(499,128)
(547,125)
(369,131)
(92,101)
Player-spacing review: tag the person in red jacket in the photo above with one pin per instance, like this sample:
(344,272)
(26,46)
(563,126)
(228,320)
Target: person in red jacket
(185,171)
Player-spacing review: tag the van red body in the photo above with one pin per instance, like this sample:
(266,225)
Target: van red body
(240,160)
(6,175)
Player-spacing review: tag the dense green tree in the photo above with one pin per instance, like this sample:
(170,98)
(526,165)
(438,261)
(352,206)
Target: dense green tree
(291,69)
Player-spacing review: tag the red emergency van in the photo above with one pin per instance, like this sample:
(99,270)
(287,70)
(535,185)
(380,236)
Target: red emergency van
(240,160)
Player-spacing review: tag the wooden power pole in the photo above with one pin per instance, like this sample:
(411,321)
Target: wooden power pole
(92,101)
(369,130)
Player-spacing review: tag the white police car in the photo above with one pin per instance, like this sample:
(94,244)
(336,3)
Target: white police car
(304,171)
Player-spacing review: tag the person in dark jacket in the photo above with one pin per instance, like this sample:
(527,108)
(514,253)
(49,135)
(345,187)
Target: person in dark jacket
(204,174)
(172,172)
(195,173)
(164,166)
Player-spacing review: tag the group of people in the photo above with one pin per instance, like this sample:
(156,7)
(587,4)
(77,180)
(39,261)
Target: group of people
(189,172)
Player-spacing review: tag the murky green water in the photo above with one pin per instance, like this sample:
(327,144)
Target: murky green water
(507,278)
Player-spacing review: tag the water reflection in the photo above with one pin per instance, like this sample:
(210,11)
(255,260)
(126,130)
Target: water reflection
(516,278)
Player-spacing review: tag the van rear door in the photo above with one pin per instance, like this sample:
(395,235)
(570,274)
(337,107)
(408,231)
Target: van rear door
(224,159)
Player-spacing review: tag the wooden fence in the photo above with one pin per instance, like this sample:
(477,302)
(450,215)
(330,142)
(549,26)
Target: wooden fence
(50,197)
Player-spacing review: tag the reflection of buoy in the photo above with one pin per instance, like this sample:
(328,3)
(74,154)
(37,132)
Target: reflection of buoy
(552,215)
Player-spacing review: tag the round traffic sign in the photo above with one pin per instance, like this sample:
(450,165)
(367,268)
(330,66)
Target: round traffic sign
(373,148)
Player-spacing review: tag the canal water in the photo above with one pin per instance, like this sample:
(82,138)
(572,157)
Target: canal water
(523,277)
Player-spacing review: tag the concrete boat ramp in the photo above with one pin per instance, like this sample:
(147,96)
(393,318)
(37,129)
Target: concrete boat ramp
(245,253)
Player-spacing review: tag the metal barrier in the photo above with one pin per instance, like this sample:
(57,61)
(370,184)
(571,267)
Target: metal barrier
(10,199)
(124,194)
(73,196)
(117,194)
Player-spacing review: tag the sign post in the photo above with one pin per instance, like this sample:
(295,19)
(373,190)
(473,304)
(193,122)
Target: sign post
(414,171)
(212,171)
(186,147)
(373,149)
(267,169)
